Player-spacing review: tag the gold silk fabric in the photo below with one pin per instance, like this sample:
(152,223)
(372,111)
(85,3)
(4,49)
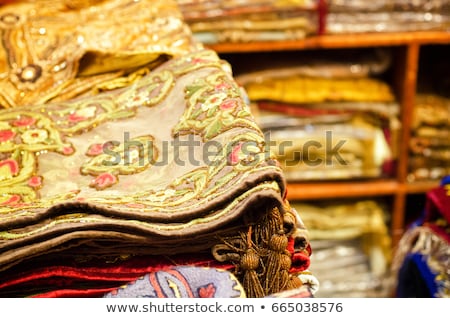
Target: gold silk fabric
(57,50)
(303,89)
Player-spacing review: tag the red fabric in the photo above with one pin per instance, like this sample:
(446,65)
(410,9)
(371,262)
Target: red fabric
(300,260)
(78,280)
(75,293)
(437,206)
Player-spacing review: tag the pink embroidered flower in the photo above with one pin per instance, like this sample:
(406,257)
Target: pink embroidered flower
(11,166)
(228,104)
(24,121)
(198,60)
(95,150)
(222,86)
(13,199)
(207,291)
(235,152)
(82,114)
(6,135)
(75,118)
(213,101)
(35,181)
(68,150)
(104,180)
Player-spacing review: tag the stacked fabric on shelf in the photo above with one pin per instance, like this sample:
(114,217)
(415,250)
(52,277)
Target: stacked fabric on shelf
(128,152)
(352,247)
(430,138)
(326,117)
(421,263)
(250,20)
(365,16)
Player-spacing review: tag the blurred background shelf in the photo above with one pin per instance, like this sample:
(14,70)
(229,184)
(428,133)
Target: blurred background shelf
(408,54)
(338,41)
(350,189)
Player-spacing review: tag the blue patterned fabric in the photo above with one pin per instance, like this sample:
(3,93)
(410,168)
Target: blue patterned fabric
(182,282)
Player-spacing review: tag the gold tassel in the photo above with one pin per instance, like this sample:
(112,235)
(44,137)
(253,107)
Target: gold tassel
(294,282)
(268,226)
(249,263)
(262,259)
(278,264)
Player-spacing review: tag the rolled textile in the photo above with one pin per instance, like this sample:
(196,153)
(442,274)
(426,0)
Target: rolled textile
(355,236)
(429,143)
(346,64)
(301,89)
(326,146)
(355,16)
(386,5)
(250,21)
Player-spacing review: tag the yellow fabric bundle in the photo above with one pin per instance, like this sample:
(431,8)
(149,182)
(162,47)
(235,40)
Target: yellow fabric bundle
(313,90)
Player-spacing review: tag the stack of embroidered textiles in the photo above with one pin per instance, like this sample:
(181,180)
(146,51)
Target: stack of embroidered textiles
(352,247)
(128,152)
(362,16)
(421,263)
(430,138)
(326,117)
(250,20)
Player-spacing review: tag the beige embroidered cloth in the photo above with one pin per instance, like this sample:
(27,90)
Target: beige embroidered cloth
(111,162)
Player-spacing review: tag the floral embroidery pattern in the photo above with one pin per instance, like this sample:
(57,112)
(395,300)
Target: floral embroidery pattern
(109,161)
(149,91)
(214,105)
(24,135)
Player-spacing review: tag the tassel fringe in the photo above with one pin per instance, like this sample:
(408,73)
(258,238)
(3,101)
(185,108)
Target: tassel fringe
(261,258)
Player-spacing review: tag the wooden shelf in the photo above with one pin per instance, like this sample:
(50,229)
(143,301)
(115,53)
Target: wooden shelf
(306,190)
(337,41)
(405,71)
(318,190)
(421,187)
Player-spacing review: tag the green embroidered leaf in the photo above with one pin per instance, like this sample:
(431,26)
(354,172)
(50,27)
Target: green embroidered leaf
(197,112)
(212,110)
(243,113)
(191,89)
(213,129)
